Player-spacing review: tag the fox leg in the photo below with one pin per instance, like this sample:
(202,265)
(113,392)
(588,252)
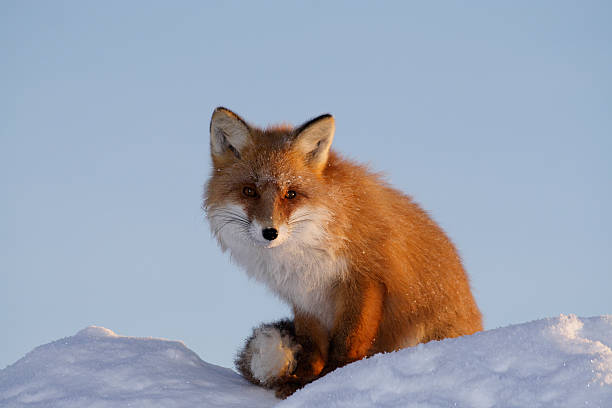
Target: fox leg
(314,341)
(358,317)
(286,355)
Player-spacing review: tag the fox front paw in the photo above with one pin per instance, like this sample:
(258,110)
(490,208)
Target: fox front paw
(309,365)
(284,390)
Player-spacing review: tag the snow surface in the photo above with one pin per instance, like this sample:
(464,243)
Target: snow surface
(557,362)
(98,369)
(561,362)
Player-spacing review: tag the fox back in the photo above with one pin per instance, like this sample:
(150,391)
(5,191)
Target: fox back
(364,268)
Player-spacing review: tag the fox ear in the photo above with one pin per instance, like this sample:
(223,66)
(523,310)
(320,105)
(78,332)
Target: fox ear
(314,139)
(228,133)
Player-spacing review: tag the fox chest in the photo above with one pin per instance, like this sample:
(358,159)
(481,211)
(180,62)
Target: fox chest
(303,278)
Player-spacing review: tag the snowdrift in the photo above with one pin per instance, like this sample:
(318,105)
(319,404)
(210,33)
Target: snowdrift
(98,369)
(557,362)
(561,362)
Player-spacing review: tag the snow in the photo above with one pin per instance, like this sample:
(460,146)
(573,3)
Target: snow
(561,362)
(96,368)
(557,362)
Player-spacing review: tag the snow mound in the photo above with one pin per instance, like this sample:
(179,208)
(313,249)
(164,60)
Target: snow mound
(557,362)
(560,362)
(96,368)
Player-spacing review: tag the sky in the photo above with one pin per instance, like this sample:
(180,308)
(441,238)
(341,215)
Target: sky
(495,117)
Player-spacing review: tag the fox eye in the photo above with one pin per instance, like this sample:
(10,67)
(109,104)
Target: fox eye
(249,192)
(290,194)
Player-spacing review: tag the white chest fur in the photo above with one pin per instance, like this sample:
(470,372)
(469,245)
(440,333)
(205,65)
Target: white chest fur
(302,277)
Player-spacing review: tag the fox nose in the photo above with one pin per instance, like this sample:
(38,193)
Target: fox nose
(269,233)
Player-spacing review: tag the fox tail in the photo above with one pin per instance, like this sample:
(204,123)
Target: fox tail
(269,354)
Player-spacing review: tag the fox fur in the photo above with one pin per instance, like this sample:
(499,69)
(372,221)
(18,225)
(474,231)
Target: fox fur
(363,267)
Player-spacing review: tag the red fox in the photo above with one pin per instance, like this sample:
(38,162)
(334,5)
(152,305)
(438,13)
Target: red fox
(364,268)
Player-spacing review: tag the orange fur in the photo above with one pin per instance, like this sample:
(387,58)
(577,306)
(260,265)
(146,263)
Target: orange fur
(403,284)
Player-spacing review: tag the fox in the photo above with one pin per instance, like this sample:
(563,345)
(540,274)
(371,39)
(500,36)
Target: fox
(362,266)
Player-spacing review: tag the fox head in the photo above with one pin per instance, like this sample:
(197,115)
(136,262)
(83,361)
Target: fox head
(267,186)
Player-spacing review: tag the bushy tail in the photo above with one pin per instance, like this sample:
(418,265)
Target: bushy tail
(269,355)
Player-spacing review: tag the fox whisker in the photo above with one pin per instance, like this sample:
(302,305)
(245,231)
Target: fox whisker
(297,220)
(227,217)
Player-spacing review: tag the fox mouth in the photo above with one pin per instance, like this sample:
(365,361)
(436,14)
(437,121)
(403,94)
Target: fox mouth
(267,245)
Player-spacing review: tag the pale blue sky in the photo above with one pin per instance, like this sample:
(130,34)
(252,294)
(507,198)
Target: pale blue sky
(495,117)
